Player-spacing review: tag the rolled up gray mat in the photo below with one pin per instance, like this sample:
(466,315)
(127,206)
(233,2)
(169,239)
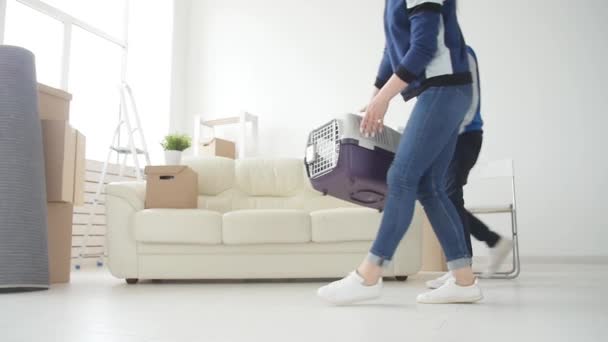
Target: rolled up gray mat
(23,229)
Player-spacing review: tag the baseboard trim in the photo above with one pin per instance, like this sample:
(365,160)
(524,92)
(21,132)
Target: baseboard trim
(554,260)
(17,286)
(589,260)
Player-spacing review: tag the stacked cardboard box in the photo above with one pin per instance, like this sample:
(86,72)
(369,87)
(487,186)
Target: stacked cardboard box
(64,157)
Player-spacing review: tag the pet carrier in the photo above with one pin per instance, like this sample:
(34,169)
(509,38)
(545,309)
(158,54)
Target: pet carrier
(343,163)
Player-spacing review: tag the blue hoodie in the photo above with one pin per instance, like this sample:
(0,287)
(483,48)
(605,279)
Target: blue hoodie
(424,45)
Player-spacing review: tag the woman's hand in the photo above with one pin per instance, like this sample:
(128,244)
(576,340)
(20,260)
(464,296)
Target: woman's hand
(374,93)
(373,121)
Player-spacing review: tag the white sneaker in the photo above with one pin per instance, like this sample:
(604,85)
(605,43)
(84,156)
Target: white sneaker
(350,289)
(437,283)
(451,292)
(497,255)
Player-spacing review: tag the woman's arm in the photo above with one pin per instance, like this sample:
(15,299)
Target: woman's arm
(374,115)
(425,17)
(385,70)
(425,20)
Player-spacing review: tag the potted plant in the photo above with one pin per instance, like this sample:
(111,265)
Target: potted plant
(174,145)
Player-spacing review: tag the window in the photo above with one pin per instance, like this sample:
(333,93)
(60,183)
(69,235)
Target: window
(79,46)
(106,15)
(44,39)
(95,75)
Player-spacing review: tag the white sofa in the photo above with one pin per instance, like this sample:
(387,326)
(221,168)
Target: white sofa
(256,219)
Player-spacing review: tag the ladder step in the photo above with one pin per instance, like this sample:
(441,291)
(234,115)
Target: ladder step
(129,117)
(92,255)
(126,150)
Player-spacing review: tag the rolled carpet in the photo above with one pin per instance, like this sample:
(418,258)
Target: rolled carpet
(23,228)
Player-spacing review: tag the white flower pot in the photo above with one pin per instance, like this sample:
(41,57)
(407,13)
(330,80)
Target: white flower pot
(173,157)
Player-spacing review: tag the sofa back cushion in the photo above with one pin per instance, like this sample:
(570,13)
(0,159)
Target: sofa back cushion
(269,177)
(226,185)
(215,175)
(222,203)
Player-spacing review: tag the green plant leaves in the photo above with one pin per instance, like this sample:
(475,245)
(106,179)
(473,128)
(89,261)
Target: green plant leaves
(176,142)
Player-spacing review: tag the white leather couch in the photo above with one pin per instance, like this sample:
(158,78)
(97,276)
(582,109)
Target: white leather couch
(255,219)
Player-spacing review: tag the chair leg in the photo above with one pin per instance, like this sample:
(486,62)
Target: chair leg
(516,261)
(515,270)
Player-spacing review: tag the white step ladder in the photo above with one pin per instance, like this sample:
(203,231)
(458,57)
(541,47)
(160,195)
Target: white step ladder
(128,113)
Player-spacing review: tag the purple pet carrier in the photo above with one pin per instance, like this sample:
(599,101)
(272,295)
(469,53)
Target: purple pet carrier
(343,163)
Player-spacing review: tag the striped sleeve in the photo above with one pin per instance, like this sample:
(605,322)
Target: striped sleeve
(425,19)
(414,6)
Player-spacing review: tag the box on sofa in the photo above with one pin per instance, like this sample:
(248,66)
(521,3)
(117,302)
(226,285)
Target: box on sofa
(171,186)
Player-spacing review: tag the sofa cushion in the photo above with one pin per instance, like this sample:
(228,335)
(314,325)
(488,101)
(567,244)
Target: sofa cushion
(345,224)
(187,226)
(215,174)
(266,226)
(222,203)
(270,177)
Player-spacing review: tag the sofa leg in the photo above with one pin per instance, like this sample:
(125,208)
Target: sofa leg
(132,281)
(401,278)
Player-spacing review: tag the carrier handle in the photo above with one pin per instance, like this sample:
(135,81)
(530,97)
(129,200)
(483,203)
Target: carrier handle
(354,198)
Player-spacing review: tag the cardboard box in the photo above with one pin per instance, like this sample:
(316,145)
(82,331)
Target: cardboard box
(59,143)
(53,104)
(218,148)
(79,169)
(171,187)
(59,221)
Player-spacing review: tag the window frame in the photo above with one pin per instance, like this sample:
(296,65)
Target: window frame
(69,22)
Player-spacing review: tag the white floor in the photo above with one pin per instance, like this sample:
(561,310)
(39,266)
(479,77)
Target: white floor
(547,303)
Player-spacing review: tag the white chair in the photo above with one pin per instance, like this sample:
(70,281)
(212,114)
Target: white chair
(497,170)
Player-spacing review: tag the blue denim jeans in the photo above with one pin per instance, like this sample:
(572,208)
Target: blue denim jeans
(418,172)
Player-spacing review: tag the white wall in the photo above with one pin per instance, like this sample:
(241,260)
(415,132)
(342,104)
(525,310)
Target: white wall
(149,68)
(543,69)
(179,66)
(295,64)
(2,19)
(298,63)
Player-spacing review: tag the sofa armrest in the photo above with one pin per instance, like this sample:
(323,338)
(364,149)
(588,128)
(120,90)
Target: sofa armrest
(133,193)
(123,201)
